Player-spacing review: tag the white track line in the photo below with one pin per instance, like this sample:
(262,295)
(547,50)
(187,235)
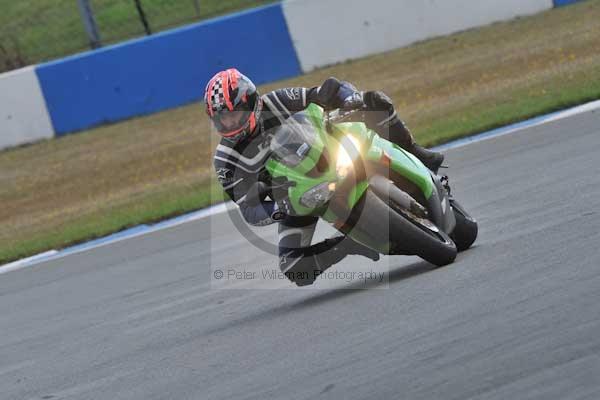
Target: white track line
(116,237)
(221,208)
(24,262)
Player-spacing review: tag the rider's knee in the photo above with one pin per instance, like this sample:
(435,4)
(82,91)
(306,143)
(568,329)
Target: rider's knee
(378,101)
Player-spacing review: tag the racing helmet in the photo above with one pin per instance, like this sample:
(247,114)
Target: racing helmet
(233,105)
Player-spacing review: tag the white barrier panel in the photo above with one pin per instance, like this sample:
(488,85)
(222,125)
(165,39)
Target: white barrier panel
(326,32)
(23,114)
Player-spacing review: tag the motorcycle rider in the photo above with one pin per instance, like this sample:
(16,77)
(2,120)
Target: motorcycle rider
(243,118)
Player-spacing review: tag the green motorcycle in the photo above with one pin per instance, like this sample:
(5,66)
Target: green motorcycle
(365,186)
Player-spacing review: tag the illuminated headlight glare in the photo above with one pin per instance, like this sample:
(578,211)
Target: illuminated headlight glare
(318,195)
(344,161)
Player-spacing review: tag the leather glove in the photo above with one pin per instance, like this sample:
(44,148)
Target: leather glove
(339,94)
(350,97)
(353,102)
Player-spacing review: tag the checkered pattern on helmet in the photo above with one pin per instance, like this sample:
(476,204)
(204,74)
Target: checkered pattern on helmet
(217,98)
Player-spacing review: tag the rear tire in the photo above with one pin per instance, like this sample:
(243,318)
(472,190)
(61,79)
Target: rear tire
(465,232)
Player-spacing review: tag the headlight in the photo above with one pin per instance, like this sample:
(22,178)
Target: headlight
(348,150)
(318,195)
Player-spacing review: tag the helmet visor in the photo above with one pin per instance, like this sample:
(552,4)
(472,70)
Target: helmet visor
(228,122)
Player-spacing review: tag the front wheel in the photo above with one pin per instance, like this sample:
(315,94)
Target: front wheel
(412,235)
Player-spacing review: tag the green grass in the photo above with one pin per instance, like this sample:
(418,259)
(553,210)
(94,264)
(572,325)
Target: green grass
(115,219)
(32,31)
(519,106)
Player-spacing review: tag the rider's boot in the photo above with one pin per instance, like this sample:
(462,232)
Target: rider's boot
(383,118)
(304,265)
(432,159)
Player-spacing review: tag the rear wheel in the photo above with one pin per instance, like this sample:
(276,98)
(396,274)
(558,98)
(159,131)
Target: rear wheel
(465,232)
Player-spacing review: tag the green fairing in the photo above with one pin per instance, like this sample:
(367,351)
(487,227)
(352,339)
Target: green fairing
(303,183)
(356,193)
(401,161)
(406,165)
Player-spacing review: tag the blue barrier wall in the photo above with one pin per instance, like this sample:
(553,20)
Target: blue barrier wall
(559,3)
(165,70)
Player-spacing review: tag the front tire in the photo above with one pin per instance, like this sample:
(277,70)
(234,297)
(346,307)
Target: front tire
(411,235)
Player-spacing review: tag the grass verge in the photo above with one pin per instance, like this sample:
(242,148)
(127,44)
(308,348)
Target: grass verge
(68,190)
(113,219)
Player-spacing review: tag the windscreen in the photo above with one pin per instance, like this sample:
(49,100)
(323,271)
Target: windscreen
(293,140)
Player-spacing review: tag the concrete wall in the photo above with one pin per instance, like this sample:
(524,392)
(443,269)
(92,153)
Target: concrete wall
(23,114)
(330,31)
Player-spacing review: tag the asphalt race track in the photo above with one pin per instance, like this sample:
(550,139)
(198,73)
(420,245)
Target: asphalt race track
(516,317)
